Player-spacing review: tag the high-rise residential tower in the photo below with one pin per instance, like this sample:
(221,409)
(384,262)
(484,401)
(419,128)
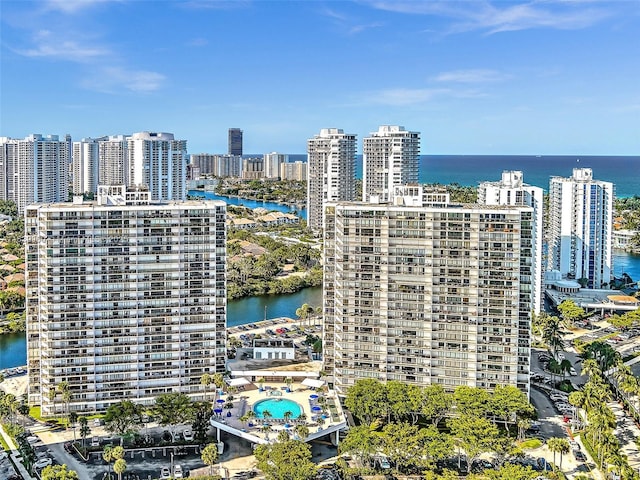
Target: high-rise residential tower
(580,224)
(511,190)
(331,172)
(34,169)
(158,161)
(235,141)
(84,166)
(272,162)
(390,159)
(427,294)
(113,161)
(126,298)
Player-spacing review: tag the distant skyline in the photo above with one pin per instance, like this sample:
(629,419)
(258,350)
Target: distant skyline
(540,77)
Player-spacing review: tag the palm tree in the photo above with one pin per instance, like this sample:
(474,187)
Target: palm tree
(209,456)
(553,444)
(266,415)
(84,429)
(302,431)
(65,391)
(523,426)
(287,415)
(107,456)
(304,312)
(205,381)
(119,467)
(552,334)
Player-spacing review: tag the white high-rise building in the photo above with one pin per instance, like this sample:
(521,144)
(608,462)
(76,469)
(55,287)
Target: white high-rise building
(272,162)
(580,225)
(113,158)
(126,298)
(427,294)
(158,161)
(390,159)
(511,190)
(84,166)
(34,169)
(331,172)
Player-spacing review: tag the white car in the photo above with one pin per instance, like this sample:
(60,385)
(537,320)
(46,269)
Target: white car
(177,471)
(560,356)
(95,442)
(572,372)
(43,462)
(188,435)
(165,473)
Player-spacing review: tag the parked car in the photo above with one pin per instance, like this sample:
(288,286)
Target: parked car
(188,435)
(95,442)
(572,372)
(177,471)
(43,462)
(579,455)
(381,461)
(165,473)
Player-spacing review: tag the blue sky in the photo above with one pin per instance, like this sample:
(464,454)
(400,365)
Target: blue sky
(474,77)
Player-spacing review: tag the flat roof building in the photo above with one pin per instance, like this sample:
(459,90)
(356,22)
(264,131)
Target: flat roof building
(125,298)
(427,294)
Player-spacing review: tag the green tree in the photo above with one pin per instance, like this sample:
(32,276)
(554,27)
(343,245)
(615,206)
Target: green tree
(436,403)
(367,400)
(475,435)
(123,418)
(509,403)
(209,456)
(200,424)
(173,409)
(552,334)
(361,442)
(290,460)
(302,431)
(510,471)
(570,311)
(58,472)
(472,401)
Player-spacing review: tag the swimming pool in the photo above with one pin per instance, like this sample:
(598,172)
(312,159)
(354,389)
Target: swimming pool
(277,407)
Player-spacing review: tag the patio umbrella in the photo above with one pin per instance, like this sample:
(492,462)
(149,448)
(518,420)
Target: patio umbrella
(316,408)
(313,396)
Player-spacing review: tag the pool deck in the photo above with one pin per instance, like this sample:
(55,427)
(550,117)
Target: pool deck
(326,418)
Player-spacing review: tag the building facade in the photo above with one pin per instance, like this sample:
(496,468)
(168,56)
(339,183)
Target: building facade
(390,158)
(235,141)
(511,190)
(427,294)
(126,298)
(331,172)
(272,163)
(158,161)
(113,160)
(84,166)
(252,168)
(580,227)
(34,169)
(294,171)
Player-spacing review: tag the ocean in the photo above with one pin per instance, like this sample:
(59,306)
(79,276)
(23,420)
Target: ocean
(623,172)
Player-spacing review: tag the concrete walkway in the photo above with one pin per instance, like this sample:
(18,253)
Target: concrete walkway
(14,455)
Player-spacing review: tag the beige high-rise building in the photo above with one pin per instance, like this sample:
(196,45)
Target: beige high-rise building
(390,159)
(34,169)
(294,171)
(429,294)
(113,160)
(272,163)
(331,172)
(126,298)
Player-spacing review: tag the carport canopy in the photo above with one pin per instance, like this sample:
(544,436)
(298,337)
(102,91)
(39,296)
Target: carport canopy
(312,382)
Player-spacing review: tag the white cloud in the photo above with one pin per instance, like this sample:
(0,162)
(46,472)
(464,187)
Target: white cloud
(471,76)
(198,42)
(116,79)
(72,6)
(501,16)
